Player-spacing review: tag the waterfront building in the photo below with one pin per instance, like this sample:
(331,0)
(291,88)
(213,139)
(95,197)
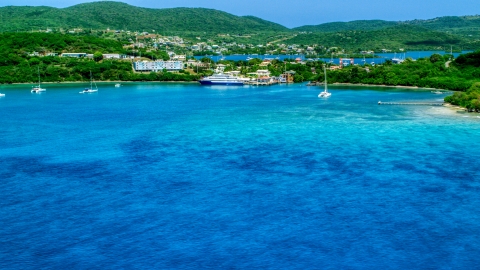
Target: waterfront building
(287,77)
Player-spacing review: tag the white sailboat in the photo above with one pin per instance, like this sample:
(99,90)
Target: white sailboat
(325,92)
(38,88)
(91,89)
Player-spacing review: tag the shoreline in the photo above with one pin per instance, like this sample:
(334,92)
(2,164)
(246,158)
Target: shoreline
(79,82)
(346,84)
(392,86)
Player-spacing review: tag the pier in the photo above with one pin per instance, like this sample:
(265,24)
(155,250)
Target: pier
(411,103)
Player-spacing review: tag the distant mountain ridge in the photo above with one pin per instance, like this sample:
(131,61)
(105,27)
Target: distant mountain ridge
(460,32)
(117,15)
(462,25)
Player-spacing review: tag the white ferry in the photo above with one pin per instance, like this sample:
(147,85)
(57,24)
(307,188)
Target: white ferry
(220,78)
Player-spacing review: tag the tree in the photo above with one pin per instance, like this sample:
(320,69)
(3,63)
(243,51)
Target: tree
(435,58)
(97,56)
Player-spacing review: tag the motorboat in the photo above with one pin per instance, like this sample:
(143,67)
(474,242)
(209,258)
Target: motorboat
(117,85)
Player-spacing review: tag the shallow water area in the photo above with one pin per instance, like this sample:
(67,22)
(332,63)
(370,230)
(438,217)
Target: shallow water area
(168,176)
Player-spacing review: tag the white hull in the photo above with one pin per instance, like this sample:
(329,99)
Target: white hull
(86,91)
(38,90)
(324,94)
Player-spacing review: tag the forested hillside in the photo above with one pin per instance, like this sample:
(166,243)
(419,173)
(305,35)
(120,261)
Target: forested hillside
(23,43)
(360,25)
(116,15)
(434,72)
(400,36)
(466,26)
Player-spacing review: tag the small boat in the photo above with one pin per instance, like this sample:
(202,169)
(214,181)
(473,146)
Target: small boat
(38,88)
(117,85)
(325,93)
(88,90)
(2,95)
(91,89)
(437,92)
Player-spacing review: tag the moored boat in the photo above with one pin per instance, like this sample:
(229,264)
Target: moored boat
(38,88)
(325,92)
(90,89)
(220,78)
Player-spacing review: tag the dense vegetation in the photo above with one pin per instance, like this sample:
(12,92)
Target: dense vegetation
(401,36)
(116,15)
(23,43)
(360,25)
(470,99)
(18,66)
(431,72)
(461,32)
(466,26)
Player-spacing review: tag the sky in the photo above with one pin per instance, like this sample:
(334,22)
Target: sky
(293,13)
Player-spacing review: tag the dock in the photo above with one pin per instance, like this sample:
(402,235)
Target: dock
(411,103)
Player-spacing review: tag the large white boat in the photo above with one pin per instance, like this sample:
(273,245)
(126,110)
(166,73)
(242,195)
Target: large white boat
(325,93)
(38,88)
(220,78)
(2,95)
(90,89)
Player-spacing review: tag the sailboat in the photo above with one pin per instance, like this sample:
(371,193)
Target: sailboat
(325,93)
(38,88)
(90,90)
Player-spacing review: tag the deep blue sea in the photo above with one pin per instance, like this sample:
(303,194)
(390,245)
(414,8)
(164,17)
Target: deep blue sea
(179,176)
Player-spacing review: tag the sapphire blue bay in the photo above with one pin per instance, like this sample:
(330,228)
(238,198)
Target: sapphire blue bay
(179,176)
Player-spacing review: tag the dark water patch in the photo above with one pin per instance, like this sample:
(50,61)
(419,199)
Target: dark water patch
(144,150)
(40,166)
(433,189)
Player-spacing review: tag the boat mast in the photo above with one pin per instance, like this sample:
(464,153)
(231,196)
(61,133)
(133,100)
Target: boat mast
(325,71)
(38,71)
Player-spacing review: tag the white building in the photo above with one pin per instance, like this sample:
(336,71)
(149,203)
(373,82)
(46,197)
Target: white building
(111,56)
(76,55)
(158,66)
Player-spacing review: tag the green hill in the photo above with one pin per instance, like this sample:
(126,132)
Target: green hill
(364,25)
(404,36)
(116,15)
(467,26)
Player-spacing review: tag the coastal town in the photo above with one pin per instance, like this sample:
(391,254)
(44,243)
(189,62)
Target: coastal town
(175,54)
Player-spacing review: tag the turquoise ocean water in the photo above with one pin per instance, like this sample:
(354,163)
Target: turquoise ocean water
(179,176)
